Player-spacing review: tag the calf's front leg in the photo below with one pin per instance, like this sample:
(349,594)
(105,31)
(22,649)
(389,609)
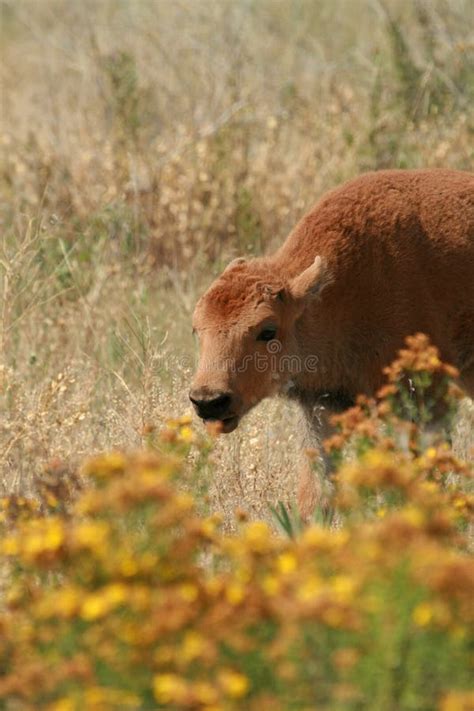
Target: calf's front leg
(314,487)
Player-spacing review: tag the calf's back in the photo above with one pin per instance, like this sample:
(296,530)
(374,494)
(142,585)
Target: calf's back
(399,246)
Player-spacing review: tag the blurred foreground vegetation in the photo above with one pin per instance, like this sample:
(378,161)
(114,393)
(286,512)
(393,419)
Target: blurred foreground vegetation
(121,594)
(143,144)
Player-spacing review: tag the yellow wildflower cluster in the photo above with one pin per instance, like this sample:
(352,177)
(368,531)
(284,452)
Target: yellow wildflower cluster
(128,599)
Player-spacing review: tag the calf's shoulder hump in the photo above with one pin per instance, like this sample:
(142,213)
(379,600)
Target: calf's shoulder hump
(385,208)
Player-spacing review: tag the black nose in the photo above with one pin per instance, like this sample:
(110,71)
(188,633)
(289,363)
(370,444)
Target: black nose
(213,406)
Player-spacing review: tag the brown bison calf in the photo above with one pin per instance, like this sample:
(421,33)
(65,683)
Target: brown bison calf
(384,256)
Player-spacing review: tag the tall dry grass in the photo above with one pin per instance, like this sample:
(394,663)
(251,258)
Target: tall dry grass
(144,143)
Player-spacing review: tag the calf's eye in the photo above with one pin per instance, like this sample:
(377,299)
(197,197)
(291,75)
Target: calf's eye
(267,334)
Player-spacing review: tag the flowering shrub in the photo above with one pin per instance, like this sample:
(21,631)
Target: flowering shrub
(126,598)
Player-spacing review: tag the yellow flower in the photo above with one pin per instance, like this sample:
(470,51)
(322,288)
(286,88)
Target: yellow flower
(309,588)
(100,603)
(286,563)
(66,602)
(233,683)
(128,567)
(188,592)
(51,500)
(318,537)
(458,701)
(235,593)
(257,536)
(46,538)
(377,458)
(54,535)
(187,435)
(115,594)
(343,587)
(271,585)
(96,697)
(413,516)
(185,419)
(9,546)
(183,501)
(103,466)
(192,646)
(91,534)
(172,424)
(64,704)
(429,487)
(314,536)
(94,606)
(209,526)
(169,688)
(422,614)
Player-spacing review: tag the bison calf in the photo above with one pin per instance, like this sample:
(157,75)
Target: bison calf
(384,256)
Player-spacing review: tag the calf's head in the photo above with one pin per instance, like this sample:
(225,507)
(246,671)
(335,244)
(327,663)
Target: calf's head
(246,324)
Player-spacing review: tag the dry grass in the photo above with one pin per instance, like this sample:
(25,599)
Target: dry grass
(145,143)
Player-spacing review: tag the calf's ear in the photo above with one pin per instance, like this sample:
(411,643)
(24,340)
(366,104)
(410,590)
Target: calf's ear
(234,263)
(311,281)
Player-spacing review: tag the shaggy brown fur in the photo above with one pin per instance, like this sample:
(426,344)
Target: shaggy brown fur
(397,258)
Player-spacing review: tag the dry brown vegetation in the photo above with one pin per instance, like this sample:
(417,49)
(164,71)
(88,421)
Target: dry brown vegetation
(144,143)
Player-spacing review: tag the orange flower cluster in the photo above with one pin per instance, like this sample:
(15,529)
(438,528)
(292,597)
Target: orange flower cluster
(420,386)
(128,599)
(419,357)
(412,410)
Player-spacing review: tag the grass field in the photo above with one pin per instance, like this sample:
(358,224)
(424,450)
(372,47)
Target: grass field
(145,143)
